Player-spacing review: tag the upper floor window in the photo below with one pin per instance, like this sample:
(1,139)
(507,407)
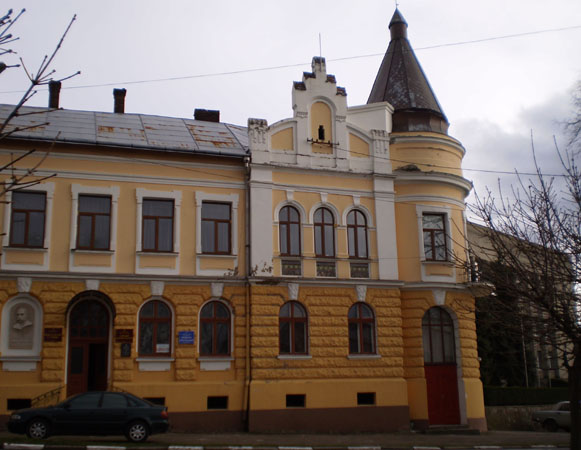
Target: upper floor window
(215,329)
(438,337)
(28,219)
(289,226)
(357,234)
(158,225)
(434,229)
(361,329)
(155,329)
(292,321)
(216,228)
(94,222)
(324,233)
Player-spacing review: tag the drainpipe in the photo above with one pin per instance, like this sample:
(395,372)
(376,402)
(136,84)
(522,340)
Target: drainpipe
(248,370)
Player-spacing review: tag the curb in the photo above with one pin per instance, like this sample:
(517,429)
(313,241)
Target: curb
(19,446)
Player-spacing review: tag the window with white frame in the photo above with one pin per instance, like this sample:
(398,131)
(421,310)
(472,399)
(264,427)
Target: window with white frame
(158,225)
(155,322)
(434,236)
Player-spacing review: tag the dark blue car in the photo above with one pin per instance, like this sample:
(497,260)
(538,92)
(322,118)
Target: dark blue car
(93,413)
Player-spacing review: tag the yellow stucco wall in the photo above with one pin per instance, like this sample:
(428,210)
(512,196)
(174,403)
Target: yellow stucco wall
(282,140)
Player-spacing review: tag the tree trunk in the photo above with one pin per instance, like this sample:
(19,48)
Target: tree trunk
(574,397)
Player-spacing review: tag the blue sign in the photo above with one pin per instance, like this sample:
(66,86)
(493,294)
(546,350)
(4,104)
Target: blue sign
(186,337)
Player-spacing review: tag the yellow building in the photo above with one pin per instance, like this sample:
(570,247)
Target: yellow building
(307,275)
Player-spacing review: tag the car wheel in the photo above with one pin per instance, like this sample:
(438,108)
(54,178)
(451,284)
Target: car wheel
(550,425)
(37,429)
(137,431)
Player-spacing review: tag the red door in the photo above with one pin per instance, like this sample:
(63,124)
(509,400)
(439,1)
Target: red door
(440,367)
(442,384)
(88,347)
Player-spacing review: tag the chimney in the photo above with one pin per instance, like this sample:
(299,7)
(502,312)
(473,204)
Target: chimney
(119,95)
(54,90)
(207,115)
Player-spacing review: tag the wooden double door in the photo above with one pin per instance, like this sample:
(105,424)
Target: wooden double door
(88,357)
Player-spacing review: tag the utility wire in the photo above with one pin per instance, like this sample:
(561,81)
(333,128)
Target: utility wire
(285,66)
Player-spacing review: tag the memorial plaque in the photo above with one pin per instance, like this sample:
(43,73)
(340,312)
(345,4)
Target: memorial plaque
(53,335)
(124,335)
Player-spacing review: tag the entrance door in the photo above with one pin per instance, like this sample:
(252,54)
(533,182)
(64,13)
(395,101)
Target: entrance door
(440,367)
(88,347)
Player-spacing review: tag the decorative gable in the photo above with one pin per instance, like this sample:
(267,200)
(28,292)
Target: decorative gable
(320,135)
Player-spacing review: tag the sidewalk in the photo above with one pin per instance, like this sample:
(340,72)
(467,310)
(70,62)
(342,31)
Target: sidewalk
(507,439)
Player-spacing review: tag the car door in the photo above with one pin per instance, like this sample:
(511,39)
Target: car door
(76,416)
(112,415)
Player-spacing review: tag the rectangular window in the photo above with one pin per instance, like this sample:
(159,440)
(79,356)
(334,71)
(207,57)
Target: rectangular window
(94,222)
(158,226)
(365,398)
(28,219)
(216,228)
(295,400)
(217,403)
(434,228)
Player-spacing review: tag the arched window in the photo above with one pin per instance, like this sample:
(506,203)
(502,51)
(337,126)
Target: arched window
(324,233)
(155,329)
(292,322)
(215,329)
(361,329)
(357,234)
(289,226)
(438,337)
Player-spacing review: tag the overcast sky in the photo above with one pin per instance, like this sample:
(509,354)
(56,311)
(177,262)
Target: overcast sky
(494,92)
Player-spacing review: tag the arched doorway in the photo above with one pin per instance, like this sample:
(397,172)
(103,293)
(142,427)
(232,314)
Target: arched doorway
(440,367)
(89,322)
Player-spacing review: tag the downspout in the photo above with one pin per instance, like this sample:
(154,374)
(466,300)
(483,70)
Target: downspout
(247,368)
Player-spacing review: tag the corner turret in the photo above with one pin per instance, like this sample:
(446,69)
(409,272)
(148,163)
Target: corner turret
(402,82)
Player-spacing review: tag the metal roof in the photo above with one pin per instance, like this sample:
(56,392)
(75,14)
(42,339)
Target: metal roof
(401,80)
(128,130)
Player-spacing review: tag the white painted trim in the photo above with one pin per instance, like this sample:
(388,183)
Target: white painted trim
(360,208)
(113,192)
(430,198)
(171,339)
(233,199)
(48,189)
(176,196)
(330,207)
(230,356)
(447,211)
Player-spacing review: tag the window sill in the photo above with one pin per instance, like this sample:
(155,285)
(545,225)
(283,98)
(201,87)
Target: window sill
(431,262)
(153,364)
(92,252)
(294,357)
(215,364)
(141,253)
(215,255)
(364,356)
(27,249)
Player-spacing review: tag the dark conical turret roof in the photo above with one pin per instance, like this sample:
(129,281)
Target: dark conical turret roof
(402,82)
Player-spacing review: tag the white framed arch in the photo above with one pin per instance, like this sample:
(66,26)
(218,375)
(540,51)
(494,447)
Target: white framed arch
(361,208)
(294,203)
(153,363)
(218,362)
(21,333)
(329,206)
